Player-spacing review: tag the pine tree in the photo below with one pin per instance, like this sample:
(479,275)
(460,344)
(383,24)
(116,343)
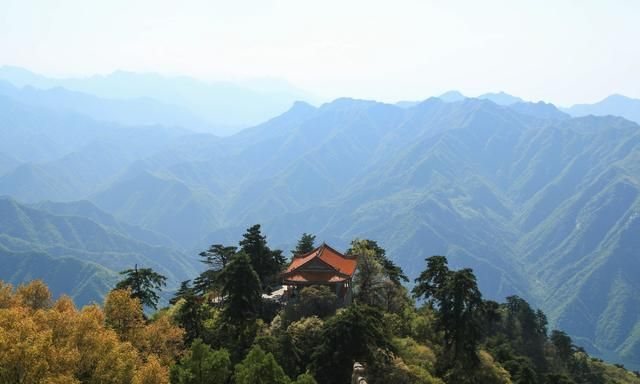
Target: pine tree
(266,262)
(216,259)
(460,308)
(305,245)
(431,279)
(355,334)
(241,289)
(143,283)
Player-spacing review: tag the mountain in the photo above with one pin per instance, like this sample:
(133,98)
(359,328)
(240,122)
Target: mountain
(452,97)
(540,109)
(501,98)
(64,156)
(162,204)
(86,209)
(137,112)
(616,105)
(486,185)
(539,204)
(85,282)
(79,248)
(226,106)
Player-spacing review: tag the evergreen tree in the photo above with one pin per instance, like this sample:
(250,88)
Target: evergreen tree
(563,345)
(305,245)
(259,368)
(432,279)
(202,365)
(184,290)
(368,280)
(216,258)
(460,311)
(190,315)
(241,289)
(143,283)
(460,308)
(528,328)
(267,263)
(355,334)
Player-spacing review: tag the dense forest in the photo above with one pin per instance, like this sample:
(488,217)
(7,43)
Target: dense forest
(220,328)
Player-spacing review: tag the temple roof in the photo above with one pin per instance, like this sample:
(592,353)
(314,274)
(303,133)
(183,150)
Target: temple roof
(315,277)
(322,264)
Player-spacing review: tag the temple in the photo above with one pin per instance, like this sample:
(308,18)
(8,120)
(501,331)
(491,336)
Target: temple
(322,266)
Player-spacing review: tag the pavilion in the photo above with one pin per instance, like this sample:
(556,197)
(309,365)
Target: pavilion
(322,266)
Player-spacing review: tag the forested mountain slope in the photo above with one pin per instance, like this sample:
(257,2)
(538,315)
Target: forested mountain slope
(77,255)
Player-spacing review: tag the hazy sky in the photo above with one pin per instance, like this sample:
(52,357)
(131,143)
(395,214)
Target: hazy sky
(560,51)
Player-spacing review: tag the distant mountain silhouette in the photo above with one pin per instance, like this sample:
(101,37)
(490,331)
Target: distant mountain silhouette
(452,96)
(225,106)
(616,105)
(501,98)
(140,111)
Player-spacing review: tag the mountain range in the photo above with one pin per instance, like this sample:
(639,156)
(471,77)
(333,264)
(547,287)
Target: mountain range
(539,203)
(136,98)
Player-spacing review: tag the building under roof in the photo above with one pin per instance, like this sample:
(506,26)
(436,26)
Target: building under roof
(322,266)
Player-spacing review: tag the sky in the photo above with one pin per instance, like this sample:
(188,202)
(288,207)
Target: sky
(560,51)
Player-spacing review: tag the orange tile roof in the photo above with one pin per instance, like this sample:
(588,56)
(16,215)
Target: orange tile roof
(315,277)
(342,264)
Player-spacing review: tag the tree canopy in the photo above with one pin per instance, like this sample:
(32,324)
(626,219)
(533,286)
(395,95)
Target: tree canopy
(266,262)
(304,245)
(143,284)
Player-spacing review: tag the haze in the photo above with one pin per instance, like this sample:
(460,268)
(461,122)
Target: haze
(564,52)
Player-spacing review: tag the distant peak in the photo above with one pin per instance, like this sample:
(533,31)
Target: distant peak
(452,96)
(301,106)
(346,102)
(617,97)
(501,98)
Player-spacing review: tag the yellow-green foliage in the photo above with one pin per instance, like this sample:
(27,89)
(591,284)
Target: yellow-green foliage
(613,374)
(491,371)
(415,358)
(53,342)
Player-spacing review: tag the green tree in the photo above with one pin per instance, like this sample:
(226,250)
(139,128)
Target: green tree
(189,314)
(528,330)
(143,283)
(316,300)
(369,278)
(202,365)
(391,270)
(259,367)
(563,345)
(431,279)
(266,262)
(306,335)
(241,289)
(305,378)
(354,334)
(554,378)
(460,306)
(184,290)
(216,259)
(305,245)
(460,309)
